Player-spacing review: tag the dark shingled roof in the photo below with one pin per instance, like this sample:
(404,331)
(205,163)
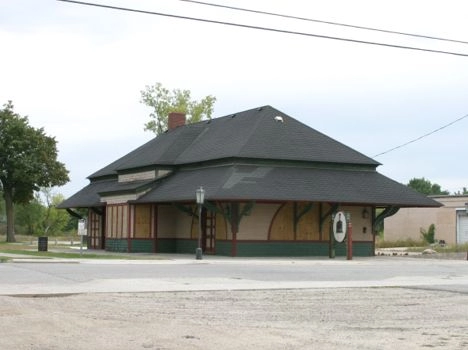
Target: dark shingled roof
(250,134)
(265,183)
(90,195)
(251,156)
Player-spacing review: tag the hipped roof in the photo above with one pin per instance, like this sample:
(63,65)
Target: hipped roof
(252,134)
(286,183)
(251,155)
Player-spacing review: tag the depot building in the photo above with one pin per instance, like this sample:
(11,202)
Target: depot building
(270,187)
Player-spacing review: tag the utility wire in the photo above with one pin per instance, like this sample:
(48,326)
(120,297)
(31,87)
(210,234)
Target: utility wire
(322,21)
(421,137)
(265,28)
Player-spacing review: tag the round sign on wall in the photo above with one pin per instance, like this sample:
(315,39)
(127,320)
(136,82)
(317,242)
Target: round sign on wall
(339,226)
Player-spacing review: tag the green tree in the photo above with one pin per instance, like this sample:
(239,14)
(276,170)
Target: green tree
(28,161)
(40,216)
(463,192)
(72,222)
(426,187)
(164,101)
(2,209)
(54,220)
(29,216)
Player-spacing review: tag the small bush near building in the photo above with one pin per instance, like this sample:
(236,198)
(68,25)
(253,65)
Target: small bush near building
(429,234)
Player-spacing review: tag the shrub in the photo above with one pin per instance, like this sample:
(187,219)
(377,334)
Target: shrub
(429,234)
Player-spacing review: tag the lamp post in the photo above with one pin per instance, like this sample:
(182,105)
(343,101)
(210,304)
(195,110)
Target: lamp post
(200,195)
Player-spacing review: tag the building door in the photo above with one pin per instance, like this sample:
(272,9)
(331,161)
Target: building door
(462,227)
(96,229)
(208,231)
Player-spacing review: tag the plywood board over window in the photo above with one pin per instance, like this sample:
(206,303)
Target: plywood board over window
(297,222)
(282,225)
(143,221)
(117,221)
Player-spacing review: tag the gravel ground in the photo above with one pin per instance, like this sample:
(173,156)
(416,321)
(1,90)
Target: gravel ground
(358,318)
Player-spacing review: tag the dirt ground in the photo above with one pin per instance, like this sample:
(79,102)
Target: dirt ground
(359,318)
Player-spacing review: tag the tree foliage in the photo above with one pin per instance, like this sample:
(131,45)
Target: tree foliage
(462,192)
(426,187)
(40,216)
(28,161)
(164,101)
(28,216)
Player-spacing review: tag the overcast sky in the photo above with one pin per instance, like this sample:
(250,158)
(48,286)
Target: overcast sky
(77,71)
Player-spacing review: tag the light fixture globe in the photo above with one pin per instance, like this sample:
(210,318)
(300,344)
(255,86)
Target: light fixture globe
(200,195)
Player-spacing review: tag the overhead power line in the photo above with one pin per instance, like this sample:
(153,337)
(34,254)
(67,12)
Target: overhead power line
(324,22)
(276,30)
(421,137)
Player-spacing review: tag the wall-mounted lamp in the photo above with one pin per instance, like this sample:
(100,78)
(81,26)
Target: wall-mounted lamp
(365,213)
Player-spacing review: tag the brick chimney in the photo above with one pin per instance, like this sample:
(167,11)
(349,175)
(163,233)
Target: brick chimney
(175,119)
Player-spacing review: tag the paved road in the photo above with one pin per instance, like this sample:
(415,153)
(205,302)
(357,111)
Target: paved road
(234,304)
(179,273)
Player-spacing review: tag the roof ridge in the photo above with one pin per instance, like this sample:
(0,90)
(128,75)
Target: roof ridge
(254,127)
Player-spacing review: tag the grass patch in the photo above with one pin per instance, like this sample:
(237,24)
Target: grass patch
(74,255)
(401,243)
(416,246)
(55,254)
(456,248)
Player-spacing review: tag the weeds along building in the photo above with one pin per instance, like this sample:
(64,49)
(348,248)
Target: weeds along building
(271,187)
(450,221)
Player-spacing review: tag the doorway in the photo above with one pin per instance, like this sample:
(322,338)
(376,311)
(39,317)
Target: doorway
(462,227)
(208,231)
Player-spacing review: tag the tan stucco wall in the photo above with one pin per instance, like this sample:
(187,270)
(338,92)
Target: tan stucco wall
(174,223)
(408,222)
(256,225)
(167,215)
(360,224)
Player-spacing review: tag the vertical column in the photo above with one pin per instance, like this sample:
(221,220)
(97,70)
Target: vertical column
(234,227)
(349,253)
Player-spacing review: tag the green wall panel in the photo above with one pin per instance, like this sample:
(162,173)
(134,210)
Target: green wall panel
(166,246)
(142,246)
(244,248)
(282,249)
(224,248)
(116,245)
(181,246)
(186,246)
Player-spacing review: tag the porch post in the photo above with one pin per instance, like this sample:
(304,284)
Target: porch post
(234,227)
(349,254)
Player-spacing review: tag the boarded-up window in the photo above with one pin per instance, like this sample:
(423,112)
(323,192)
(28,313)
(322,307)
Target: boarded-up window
(282,226)
(300,222)
(117,221)
(143,221)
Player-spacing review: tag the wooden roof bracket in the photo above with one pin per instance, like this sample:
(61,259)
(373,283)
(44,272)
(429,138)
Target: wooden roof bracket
(387,212)
(186,209)
(298,215)
(333,208)
(74,213)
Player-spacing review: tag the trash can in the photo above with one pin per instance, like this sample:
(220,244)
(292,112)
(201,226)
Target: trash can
(42,244)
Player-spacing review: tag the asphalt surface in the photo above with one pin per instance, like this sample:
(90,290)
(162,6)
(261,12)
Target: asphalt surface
(183,273)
